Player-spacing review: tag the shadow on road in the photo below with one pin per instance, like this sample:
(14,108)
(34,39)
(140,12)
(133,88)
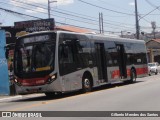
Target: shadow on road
(66,95)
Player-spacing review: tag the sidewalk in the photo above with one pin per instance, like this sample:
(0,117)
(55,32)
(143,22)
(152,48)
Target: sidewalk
(6,98)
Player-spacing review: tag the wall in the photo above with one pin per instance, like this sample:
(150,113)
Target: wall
(4,80)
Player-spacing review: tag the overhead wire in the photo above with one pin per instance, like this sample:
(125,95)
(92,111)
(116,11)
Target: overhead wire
(110,9)
(105,8)
(107,3)
(151,4)
(22,14)
(72,14)
(80,17)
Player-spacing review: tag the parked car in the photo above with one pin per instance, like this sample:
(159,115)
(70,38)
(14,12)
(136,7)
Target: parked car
(153,68)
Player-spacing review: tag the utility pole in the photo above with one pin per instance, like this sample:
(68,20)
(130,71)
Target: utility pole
(49,7)
(102,22)
(154,28)
(137,21)
(101,27)
(122,34)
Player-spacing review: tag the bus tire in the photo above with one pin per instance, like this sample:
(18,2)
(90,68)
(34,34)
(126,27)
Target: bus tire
(86,84)
(133,76)
(50,94)
(150,73)
(156,72)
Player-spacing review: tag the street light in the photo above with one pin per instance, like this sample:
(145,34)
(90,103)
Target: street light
(49,8)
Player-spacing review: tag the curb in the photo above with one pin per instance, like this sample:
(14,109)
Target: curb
(17,97)
(10,98)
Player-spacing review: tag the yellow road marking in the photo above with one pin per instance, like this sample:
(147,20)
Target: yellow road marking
(54,100)
(25,107)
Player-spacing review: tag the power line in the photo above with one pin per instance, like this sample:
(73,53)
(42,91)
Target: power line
(10,11)
(52,10)
(107,3)
(69,18)
(51,14)
(149,12)
(72,15)
(105,8)
(78,17)
(96,17)
(22,14)
(151,3)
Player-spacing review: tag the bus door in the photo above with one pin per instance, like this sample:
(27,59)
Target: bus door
(122,60)
(101,62)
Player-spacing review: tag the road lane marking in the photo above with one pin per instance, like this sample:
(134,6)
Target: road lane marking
(26,107)
(53,101)
(61,99)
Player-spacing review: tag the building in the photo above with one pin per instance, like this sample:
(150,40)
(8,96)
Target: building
(153,47)
(74,29)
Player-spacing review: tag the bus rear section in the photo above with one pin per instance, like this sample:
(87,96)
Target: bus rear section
(87,61)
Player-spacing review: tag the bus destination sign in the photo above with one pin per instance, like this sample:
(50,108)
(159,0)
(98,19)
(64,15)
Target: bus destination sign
(39,38)
(36,25)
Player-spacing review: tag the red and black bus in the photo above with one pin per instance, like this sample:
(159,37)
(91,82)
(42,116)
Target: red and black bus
(59,61)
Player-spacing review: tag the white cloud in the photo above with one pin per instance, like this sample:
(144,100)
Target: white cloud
(64,2)
(36,10)
(14,3)
(132,3)
(45,2)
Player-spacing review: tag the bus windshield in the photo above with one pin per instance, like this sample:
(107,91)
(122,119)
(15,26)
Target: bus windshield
(34,57)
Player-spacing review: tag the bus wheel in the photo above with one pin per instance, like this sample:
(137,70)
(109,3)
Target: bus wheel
(50,94)
(133,76)
(156,72)
(87,85)
(150,73)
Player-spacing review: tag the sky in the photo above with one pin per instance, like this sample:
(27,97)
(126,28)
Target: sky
(118,15)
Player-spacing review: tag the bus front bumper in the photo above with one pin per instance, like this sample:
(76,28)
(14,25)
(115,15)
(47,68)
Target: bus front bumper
(54,87)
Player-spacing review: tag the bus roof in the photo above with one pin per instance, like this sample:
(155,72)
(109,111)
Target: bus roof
(104,37)
(92,36)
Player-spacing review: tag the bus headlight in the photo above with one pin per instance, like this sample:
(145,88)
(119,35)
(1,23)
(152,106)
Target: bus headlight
(16,82)
(52,78)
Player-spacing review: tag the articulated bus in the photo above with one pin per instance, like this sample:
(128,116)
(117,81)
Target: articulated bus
(53,62)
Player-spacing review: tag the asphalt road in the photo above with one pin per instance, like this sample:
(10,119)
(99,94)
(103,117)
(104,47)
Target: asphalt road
(144,95)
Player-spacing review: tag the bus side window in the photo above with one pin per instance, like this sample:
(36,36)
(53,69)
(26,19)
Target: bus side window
(65,54)
(140,53)
(66,57)
(111,53)
(83,54)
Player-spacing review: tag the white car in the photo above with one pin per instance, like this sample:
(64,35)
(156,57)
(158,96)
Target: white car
(153,68)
